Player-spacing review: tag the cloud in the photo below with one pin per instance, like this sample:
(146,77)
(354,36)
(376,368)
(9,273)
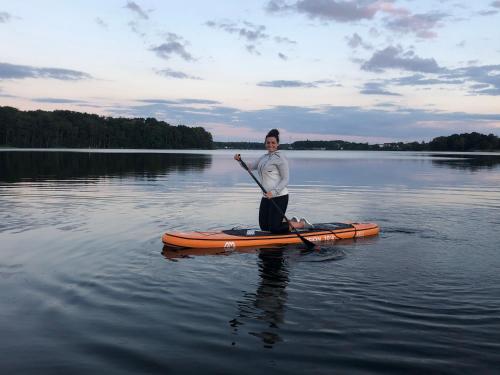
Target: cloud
(251,33)
(356,41)
(101,23)
(283,40)
(400,20)
(419,24)
(285,84)
(376,88)
(11,71)
(340,11)
(398,123)
(252,49)
(389,8)
(158,101)
(134,26)
(180,101)
(483,74)
(282,56)
(374,32)
(493,91)
(198,101)
(479,80)
(327,82)
(5,17)
(480,86)
(395,58)
(137,10)
(175,74)
(57,100)
(174,45)
(327,10)
(380,87)
(490,12)
(337,10)
(4,95)
(296,83)
(386,105)
(275,6)
(248,31)
(422,80)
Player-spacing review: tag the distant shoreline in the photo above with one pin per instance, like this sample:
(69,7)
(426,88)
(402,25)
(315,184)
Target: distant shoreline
(68,129)
(455,142)
(199,150)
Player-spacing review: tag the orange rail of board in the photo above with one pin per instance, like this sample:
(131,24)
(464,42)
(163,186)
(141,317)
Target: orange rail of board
(224,240)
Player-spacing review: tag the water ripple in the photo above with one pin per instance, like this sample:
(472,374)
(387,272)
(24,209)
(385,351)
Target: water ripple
(84,272)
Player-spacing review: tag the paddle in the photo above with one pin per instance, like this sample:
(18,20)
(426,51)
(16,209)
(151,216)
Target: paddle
(306,242)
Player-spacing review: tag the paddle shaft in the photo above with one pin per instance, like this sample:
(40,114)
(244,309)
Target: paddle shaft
(308,243)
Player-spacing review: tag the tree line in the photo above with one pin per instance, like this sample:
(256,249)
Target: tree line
(455,142)
(68,129)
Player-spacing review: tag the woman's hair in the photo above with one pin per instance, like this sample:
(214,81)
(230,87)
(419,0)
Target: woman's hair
(274,133)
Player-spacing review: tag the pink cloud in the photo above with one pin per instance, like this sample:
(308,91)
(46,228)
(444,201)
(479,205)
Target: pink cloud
(235,133)
(388,7)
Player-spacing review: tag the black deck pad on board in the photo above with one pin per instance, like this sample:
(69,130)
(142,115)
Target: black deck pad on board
(257,233)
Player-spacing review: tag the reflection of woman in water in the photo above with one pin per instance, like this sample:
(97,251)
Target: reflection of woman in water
(268,303)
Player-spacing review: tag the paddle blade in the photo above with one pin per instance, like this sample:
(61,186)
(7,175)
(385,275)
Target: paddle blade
(309,245)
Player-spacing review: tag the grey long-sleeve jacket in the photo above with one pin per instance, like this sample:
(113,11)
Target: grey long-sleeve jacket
(273,172)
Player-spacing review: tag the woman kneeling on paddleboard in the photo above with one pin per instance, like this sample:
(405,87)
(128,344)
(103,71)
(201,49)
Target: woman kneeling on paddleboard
(274,174)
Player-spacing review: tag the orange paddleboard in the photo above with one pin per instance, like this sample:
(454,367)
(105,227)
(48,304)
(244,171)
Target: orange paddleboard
(234,238)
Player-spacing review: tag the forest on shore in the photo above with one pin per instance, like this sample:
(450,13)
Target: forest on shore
(69,129)
(456,142)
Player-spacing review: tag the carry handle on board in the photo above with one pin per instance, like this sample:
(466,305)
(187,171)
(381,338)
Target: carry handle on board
(306,242)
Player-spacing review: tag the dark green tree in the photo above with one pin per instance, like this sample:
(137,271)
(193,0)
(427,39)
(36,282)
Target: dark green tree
(68,129)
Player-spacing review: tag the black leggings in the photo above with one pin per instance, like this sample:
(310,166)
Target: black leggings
(270,219)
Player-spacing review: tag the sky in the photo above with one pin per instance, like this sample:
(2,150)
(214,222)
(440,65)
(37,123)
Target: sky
(363,71)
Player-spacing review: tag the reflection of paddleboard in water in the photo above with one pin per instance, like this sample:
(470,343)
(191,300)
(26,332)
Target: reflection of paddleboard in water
(247,237)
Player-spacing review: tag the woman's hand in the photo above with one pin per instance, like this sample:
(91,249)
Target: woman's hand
(237,157)
(269,195)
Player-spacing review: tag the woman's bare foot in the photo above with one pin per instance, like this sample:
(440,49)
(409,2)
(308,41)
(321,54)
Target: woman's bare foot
(296,225)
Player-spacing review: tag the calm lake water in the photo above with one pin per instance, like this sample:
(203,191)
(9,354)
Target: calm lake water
(87,288)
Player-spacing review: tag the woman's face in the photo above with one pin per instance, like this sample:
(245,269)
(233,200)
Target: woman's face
(271,144)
